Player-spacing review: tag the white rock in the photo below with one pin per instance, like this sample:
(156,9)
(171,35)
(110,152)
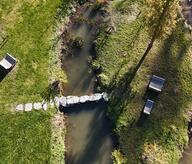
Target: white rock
(63,101)
(37,105)
(28,107)
(105,96)
(72,100)
(98,96)
(92,98)
(44,106)
(83,99)
(20,107)
(95,97)
(56,99)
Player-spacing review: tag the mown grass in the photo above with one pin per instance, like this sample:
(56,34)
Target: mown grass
(29,40)
(25,137)
(161,137)
(28,26)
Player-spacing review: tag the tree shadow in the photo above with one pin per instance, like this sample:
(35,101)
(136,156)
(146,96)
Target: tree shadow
(169,104)
(123,85)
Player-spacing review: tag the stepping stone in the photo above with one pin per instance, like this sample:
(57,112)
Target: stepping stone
(20,107)
(56,99)
(28,107)
(72,100)
(95,97)
(83,99)
(91,98)
(98,96)
(63,101)
(105,96)
(44,106)
(37,106)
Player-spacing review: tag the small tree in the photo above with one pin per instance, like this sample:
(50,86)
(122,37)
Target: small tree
(160,19)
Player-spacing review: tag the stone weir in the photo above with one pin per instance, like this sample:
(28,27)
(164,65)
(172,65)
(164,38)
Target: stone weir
(62,101)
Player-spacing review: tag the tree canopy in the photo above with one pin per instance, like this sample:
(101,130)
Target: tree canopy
(160,16)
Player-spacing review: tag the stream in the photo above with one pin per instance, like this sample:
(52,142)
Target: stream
(89,132)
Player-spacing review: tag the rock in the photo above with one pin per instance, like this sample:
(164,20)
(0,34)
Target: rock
(98,96)
(105,96)
(56,99)
(63,101)
(84,99)
(44,106)
(72,100)
(28,107)
(37,105)
(95,97)
(20,107)
(91,98)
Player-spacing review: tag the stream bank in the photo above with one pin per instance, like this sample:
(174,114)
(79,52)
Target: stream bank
(187,153)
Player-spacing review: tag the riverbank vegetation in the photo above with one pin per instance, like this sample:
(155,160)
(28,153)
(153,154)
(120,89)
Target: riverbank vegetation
(26,31)
(58,139)
(161,137)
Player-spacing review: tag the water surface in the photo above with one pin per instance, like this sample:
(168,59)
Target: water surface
(88,139)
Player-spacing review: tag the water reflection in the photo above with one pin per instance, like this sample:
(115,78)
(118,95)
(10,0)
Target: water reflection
(89,137)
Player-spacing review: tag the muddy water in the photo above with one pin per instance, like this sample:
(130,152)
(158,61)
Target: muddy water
(88,139)
(80,77)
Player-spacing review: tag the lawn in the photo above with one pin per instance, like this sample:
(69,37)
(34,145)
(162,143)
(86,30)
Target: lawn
(26,31)
(162,136)
(25,137)
(27,25)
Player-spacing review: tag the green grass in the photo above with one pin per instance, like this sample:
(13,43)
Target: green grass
(29,31)
(28,25)
(25,137)
(164,134)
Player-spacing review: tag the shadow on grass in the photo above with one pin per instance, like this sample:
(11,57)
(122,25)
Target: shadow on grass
(120,91)
(168,105)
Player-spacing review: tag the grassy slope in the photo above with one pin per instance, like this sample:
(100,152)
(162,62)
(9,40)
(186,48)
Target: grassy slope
(28,25)
(25,137)
(165,132)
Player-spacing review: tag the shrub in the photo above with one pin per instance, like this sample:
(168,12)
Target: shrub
(118,157)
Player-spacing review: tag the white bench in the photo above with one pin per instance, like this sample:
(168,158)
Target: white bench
(8,62)
(156,83)
(148,107)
